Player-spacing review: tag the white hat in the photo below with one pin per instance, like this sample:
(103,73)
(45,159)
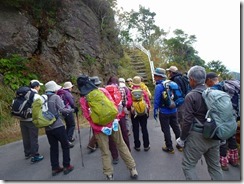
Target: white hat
(33,81)
(68,85)
(122,80)
(52,86)
(172,69)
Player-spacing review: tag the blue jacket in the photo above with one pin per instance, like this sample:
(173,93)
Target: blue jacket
(158,100)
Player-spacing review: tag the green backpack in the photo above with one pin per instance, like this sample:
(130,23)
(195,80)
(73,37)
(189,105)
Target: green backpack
(41,118)
(103,110)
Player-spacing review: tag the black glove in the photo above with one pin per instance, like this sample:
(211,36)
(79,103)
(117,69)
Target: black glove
(76,109)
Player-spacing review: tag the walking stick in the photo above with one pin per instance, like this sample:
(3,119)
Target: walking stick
(78,126)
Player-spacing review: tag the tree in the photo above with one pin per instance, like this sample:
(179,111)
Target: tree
(179,50)
(218,68)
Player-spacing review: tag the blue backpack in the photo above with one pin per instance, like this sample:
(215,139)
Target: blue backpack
(172,95)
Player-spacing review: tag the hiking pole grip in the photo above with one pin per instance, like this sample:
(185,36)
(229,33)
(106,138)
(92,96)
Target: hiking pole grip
(78,126)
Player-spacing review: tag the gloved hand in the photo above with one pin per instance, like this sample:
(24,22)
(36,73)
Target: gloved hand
(76,109)
(180,142)
(155,114)
(107,131)
(115,125)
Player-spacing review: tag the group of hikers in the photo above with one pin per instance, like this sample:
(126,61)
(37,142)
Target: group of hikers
(129,104)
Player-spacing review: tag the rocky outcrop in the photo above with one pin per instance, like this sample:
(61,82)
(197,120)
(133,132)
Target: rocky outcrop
(78,43)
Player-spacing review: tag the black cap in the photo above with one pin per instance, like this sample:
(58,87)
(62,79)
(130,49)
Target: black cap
(211,75)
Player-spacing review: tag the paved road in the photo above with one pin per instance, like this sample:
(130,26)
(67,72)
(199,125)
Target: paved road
(154,165)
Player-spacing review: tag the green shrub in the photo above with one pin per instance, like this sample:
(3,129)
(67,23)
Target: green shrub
(15,71)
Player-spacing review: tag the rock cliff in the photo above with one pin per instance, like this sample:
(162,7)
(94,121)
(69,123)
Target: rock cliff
(83,39)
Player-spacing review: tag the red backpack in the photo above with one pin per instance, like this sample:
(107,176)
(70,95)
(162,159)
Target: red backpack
(115,93)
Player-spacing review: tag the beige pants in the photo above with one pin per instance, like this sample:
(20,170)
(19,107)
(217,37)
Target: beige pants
(124,152)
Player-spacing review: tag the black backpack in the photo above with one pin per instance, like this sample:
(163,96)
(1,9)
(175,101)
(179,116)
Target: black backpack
(21,105)
(183,83)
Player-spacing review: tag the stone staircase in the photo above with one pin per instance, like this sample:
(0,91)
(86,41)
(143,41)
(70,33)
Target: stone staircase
(139,66)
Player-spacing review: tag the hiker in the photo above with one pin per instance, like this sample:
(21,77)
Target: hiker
(102,133)
(191,138)
(92,145)
(129,83)
(144,87)
(182,81)
(127,101)
(167,116)
(228,148)
(69,102)
(29,131)
(56,132)
(139,119)
(114,82)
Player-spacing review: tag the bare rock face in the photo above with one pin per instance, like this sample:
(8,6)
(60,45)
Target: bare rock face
(77,44)
(17,35)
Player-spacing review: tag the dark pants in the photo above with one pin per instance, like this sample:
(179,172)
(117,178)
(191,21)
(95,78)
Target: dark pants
(30,138)
(70,125)
(140,121)
(167,121)
(54,137)
(230,143)
(112,146)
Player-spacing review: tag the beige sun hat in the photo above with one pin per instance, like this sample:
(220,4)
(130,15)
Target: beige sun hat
(52,86)
(136,81)
(68,85)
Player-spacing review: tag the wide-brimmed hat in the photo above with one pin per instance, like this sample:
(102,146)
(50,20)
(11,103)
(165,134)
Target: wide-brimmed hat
(85,85)
(129,80)
(160,72)
(95,80)
(68,85)
(52,86)
(121,82)
(172,69)
(136,81)
(34,83)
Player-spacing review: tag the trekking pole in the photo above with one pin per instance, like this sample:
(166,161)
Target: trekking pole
(78,126)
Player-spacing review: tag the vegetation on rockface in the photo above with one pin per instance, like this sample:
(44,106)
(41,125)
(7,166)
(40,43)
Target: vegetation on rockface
(15,71)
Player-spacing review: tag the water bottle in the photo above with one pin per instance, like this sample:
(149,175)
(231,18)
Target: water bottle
(208,128)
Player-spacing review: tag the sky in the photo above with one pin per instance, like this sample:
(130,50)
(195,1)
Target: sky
(215,23)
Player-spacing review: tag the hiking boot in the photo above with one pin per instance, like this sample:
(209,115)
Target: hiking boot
(133,173)
(70,145)
(168,150)
(115,161)
(225,167)
(224,163)
(234,164)
(68,169)
(233,157)
(72,140)
(27,156)
(36,158)
(180,149)
(110,177)
(147,148)
(92,149)
(56,171)
(137,149)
